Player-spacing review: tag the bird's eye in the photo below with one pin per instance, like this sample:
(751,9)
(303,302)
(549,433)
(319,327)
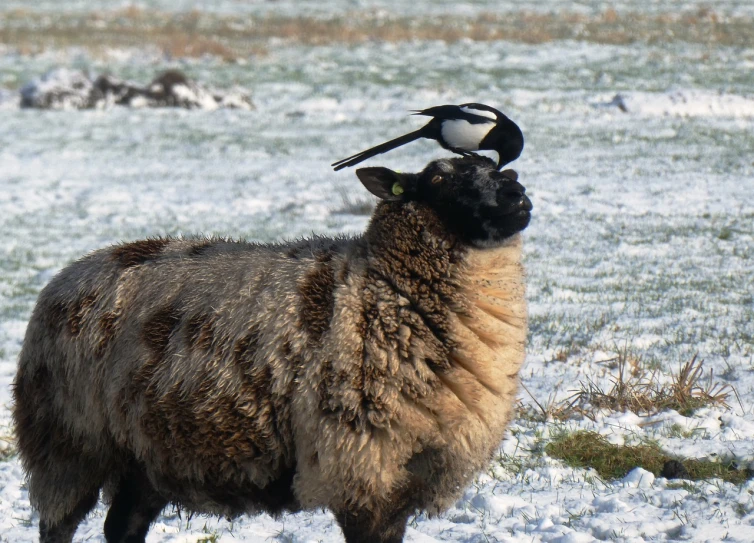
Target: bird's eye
(436,179)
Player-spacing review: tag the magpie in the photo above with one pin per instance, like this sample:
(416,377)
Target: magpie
(461,129)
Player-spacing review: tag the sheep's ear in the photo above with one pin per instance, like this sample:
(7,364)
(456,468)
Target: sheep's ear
(382,182)
(511,174)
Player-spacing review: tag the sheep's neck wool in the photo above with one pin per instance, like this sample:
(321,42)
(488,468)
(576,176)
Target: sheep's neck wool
(438,330)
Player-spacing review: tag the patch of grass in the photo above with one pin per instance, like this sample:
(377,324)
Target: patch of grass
(7,453)
(198,33)
(683,485)
(591,450)
(7,445)
(284,536)
(678,431)
(725,234)
(211,537)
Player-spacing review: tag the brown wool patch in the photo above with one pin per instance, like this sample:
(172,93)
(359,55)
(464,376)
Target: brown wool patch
(79,310)
(343,271)
(32,392)
(214,433)
(200,248)
(287,349)
(41,378)
(107,325)
(418,268)
(55,315)
(200,331)
(158,328)
(331,390)
(323,255)
(259,378)
(246,347)
(139,252)
(38,431)
(236,428)
(317,300)
(293,252)
(324,388)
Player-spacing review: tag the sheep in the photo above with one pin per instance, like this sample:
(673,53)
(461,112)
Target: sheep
(371,375)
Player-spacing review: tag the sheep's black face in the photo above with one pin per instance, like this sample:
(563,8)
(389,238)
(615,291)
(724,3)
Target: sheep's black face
(474,200)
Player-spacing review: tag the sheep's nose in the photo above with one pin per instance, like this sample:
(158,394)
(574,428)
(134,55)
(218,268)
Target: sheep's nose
(515,191)
(526,203)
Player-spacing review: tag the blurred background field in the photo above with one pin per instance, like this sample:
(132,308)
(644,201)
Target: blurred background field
(639,159)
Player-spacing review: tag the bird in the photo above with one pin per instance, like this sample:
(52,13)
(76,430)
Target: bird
(461,129)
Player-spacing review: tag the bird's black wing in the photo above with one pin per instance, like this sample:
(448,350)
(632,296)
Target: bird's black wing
(379,149)
(450,112)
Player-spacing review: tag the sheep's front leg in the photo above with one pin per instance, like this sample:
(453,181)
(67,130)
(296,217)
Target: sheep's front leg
(365,526)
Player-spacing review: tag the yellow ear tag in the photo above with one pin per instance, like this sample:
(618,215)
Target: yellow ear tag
(397,189)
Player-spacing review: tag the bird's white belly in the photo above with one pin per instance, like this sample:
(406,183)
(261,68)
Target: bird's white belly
(464,135)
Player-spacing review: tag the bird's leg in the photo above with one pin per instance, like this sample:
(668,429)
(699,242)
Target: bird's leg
(459,151)
(463,152)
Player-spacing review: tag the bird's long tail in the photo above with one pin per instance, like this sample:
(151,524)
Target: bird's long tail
(378,149)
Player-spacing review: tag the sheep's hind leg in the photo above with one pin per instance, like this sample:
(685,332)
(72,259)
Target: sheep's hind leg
(135,506)
(63,530)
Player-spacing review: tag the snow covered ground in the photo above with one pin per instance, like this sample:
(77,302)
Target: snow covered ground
(639,161)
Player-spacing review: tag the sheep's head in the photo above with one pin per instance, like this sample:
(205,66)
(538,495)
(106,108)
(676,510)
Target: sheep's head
(475,201)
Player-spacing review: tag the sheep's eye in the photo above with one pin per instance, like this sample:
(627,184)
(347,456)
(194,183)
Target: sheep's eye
(436,179)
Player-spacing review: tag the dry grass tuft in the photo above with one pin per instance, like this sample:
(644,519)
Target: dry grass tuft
(185,46)
(7,444)
(637,390)
(591,450)
(633,389)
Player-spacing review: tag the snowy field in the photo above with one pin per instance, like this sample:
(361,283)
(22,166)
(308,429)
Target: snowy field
(639,161)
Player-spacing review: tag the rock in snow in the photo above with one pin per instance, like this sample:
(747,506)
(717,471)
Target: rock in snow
(71,89)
